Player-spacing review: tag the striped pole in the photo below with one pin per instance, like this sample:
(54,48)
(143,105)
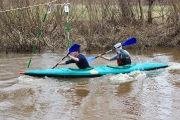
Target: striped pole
(39,33)
(66,9)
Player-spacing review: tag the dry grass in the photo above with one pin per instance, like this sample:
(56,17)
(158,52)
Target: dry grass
(94,25)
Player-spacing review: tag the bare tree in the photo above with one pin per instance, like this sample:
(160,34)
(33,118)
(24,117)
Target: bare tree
(127,12)
(94,23)
(150,6)
(141,10)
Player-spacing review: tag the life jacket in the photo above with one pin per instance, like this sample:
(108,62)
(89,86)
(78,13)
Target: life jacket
(123,58)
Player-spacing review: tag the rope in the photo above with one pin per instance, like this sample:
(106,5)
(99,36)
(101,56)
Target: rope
(48,3)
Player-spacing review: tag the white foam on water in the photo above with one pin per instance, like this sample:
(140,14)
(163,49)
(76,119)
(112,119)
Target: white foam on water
(174,68)
(35,81)
(123,78)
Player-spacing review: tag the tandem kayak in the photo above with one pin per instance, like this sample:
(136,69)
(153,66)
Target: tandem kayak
(94,71)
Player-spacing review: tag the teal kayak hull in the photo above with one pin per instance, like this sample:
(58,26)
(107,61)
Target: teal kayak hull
(95,71)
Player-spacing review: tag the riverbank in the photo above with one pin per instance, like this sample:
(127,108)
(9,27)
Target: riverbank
(96,25)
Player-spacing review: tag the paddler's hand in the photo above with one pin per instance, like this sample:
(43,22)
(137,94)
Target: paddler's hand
(100,55)
(67,55)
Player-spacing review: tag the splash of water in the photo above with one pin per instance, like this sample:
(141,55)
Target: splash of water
(124,78)
(33,81)
(174,68)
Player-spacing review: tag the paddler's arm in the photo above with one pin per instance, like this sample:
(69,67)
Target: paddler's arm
(62,63)
(106,58)
(74,58)
(69,61)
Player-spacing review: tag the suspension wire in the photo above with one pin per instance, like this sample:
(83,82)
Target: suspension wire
(48,3)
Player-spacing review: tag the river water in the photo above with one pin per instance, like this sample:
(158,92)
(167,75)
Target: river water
(140,95)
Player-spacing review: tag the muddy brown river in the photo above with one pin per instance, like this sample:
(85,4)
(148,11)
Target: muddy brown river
(139,95)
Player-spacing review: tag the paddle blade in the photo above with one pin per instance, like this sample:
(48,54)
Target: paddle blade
(91,58)
(74,48)
(129,41)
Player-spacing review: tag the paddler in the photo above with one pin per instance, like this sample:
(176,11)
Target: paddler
(78,58)
(122,56)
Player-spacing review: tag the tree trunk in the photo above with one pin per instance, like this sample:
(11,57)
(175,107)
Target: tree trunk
(141,10)
(150,3)
(127,14)
(176,7)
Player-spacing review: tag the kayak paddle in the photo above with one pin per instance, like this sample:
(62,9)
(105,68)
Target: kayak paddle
(126,43)
(73,48)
